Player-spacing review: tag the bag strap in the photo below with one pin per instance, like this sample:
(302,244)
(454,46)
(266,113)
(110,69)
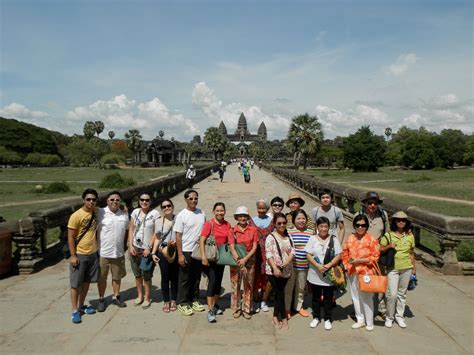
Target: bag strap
(278,246)
(329,251)
(376,268)
(86,230)
(164,237)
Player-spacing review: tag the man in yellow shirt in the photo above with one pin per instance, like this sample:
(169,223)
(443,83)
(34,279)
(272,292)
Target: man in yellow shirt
(84,261)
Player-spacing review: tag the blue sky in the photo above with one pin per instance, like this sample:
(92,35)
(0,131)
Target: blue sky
(183,66)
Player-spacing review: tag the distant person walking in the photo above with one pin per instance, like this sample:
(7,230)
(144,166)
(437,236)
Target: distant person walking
(190,176)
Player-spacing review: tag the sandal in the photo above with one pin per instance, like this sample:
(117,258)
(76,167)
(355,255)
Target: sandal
(237,313)
(276,323)
(166,307)
(173,306)
(247,315)
(138,301)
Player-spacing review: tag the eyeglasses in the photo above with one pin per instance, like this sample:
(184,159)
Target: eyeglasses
(166,206)
(90,199)
(192,198)
(281,223)
(277,205)
(358,225)
(370,203)
(144,200)
(401,220)
(114,200)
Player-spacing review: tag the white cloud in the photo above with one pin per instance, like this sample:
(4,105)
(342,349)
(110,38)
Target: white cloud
(15,110)
(403,63)
(205,99)
(121,114)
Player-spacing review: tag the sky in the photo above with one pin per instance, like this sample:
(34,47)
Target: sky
(183,66)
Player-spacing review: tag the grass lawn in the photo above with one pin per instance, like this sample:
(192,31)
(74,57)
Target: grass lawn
(18,185)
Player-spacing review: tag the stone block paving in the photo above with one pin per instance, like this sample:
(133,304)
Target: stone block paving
(35,309)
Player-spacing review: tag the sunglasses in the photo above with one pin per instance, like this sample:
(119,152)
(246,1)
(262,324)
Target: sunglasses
(281,223)
(90,199)
(114,200)
(144,200)
(166,206)
(401,220)
(277,205)
(372,203)
(361,225)
(192,198)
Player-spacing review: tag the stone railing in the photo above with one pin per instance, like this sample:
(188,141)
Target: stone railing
(29,234)
(450,230)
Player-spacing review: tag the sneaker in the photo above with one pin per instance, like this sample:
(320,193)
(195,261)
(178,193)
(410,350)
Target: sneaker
(87,309)
(369,328)
(358,325)
(388,323)
(217,311)
(211,317)
(314,323)
(257,307)
(198,307)
(327,324)
(401,322)
(146,304)
(264,306)
(76,317)
(101,306)
(118,302)
(185,310)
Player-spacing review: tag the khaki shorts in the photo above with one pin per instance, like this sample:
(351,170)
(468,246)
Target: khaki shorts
(115,265)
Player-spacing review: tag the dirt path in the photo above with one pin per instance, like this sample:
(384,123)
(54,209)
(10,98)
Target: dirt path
(428,197)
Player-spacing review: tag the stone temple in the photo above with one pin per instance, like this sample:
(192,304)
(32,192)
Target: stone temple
(242,138)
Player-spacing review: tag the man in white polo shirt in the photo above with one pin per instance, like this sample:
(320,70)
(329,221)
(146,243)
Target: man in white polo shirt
(111,232)
(188,226)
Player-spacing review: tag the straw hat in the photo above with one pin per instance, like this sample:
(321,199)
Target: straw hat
(295,196)
(400,215)
(169,252)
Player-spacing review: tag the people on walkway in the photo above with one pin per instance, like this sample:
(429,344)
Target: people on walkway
(263,222)
(359,256)
(221,172)
(222,232)
(299,234)
(244,272)
(295,202)
(280,253)
(188,227)
(190,176)
(246,173)
(164,247)
(331,212)
(83,262)
(402,240)
(111,233)
(323,252)
(140,243)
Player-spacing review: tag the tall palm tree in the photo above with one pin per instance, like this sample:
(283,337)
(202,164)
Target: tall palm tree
(215,141)
(89,130)
(133,138)
(111,134)
(304,137)
(99,127)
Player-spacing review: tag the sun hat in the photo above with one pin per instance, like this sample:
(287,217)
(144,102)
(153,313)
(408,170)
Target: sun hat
(191,166)
(169,252)
(400,215)
(240,211)
(371,195)
(294,196)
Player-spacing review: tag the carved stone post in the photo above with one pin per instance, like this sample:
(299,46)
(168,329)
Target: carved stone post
(25,235)
(351,205)
(451,265)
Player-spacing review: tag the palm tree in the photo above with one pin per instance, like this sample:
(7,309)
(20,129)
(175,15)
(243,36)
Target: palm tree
(304,138)
(111,134)
(89,130)
(215,141)
(133,138)
(99,127)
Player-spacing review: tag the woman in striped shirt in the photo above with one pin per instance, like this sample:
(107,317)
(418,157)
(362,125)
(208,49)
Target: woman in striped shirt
(299,233)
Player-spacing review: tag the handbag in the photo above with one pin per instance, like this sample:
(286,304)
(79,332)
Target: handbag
(65,249)
(169,252)
(225,255)
(210,248)
(376,283)
(146,263)
(387,259)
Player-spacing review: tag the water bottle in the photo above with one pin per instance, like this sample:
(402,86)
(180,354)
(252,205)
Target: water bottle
(413,282)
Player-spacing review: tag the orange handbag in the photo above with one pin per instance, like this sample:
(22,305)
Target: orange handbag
(376,283)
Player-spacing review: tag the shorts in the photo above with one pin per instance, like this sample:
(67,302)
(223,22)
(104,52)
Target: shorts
(115,265)
(137,272)
(86,272)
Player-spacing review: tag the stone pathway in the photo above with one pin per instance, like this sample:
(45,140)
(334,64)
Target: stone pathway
(35,309)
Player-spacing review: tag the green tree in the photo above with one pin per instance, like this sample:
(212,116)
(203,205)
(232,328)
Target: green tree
(111,134)
(363,150)
(305,137)
(133,138)
(99,127)
(469,153)
(89,130)
(215,141)
(450,146)
(418,151)
(79,153)
(9,156)
(260,150)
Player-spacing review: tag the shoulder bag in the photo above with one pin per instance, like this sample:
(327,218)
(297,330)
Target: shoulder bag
(65,250)
(387,259)
(376,283)
(225,255)
(210,247)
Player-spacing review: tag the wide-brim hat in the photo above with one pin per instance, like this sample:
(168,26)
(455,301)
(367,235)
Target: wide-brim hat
(400,215)
(240,211)
(295,196)
(371,195)
(169,252)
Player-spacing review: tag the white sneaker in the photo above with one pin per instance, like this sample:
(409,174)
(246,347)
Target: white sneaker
(358,325)
(257,308)
(327,324)
(264,307)
(401,322)
(369,328)
(314,323)
(388,323)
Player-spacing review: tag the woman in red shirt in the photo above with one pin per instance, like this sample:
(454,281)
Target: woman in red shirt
(245,269)
(222,231)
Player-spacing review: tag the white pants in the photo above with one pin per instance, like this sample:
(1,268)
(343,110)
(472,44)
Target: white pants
(294,289)
(396,295)
(363,302)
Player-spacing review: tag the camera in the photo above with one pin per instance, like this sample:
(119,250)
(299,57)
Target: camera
(139,240)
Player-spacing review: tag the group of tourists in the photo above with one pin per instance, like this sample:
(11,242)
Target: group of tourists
(271,255)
